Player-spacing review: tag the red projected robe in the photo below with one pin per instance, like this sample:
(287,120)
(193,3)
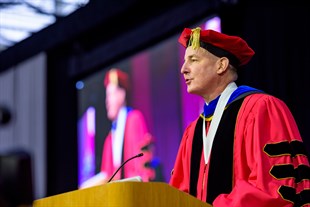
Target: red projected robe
(267,164)
(136,136)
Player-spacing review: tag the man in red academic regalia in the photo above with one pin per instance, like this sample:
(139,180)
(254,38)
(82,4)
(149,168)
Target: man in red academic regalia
(128,137)
(245,149)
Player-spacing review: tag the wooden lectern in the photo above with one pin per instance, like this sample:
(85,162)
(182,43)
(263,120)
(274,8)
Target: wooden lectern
(123,194)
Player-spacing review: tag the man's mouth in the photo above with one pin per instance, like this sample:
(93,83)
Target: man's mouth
(187,81)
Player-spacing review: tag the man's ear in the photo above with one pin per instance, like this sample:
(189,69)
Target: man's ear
(223,64)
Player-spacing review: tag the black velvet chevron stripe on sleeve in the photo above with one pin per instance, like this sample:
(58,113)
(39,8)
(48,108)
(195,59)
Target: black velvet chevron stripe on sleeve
(281,171)
(292,148)
(302,172)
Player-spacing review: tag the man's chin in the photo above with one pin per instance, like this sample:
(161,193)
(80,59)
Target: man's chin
(111,117)
(190,90)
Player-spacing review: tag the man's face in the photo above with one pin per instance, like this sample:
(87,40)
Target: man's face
(115,99)
(199,71)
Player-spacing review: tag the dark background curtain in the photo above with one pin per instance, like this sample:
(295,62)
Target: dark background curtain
(278,32)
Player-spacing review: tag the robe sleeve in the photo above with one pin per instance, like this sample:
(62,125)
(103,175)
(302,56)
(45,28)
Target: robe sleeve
(269,170)
(138,139)
(181,172)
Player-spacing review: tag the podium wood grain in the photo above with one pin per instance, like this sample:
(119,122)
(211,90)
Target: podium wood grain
(123,194)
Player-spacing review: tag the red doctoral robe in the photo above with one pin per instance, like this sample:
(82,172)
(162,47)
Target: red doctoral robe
(270,168)
(136,136)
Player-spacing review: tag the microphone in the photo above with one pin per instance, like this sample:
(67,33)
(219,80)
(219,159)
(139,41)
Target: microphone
(120,167)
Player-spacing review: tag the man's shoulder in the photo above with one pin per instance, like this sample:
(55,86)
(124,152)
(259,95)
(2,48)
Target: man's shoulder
(261,97)
(262,100)
(135,114)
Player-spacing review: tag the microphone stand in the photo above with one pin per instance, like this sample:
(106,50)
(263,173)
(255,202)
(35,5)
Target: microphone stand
(120,167)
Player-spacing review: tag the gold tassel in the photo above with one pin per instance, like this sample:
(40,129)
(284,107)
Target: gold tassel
(194,40)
